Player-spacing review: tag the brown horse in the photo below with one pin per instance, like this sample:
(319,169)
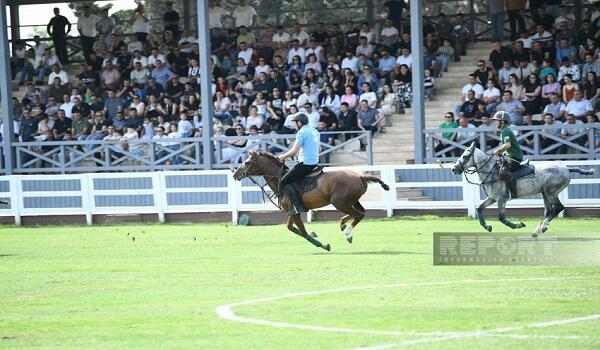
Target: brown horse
(341,188)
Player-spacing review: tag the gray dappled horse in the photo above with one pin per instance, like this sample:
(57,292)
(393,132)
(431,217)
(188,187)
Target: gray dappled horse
(549,179)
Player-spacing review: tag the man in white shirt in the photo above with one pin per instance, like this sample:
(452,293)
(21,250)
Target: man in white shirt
(472,85)
(554,107)
(57,72)
(245,53)
(463,123)
(300,35)
(244,15)
(187,40)
(578,106)
(313,116)
(296,50)
(281,38)
(141,23)
(215,14)
(138,57)
(134,44)
(86,25)
(156,56)
(542,36)
(389,34)
(315,49)
(139,74)
(350,61)
(38,46)
(67,106)
(405,58)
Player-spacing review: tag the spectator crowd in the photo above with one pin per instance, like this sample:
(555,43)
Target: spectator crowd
(547,75)
(345,77)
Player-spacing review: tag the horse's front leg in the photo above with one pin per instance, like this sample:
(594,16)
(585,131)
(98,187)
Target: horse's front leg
(486,203)
(504,220)
(301,231)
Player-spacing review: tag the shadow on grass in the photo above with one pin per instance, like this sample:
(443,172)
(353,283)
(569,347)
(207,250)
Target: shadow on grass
(381,252)
(7,255)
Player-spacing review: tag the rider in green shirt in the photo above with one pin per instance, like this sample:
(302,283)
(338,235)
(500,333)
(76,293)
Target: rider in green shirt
(510,149)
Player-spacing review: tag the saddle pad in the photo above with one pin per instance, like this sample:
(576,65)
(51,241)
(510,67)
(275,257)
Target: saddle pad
(307,184)
(522,171)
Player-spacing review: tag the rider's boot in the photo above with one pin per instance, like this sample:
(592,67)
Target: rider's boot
(297,205)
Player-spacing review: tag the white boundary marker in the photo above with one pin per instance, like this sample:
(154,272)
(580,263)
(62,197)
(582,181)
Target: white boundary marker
(226,312)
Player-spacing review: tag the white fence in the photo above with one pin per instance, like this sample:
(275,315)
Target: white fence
(166,192)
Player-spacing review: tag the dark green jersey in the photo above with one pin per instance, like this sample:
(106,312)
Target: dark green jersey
(514,152)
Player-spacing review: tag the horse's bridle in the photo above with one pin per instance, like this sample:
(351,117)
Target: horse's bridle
(476,169)
(278,176)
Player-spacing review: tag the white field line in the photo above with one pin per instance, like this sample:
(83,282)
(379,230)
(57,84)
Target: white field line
(226,311)
(484,333)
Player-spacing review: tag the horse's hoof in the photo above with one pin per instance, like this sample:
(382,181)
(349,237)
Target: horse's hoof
(327,247)
(534,235)
(343,227)
(488,228)
(544,229)
(349,239)
(313,235)
(521,224)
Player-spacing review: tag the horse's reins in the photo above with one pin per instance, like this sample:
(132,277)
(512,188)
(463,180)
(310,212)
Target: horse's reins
(475,169)
(266,177)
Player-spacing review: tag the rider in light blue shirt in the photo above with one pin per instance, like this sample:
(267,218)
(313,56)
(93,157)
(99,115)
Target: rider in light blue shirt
(307,146)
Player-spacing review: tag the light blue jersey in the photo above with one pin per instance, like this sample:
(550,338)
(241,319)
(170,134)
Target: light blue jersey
(308,139)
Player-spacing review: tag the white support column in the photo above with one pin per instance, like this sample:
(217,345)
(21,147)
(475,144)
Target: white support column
(205,82)
(160,194)
(6,92)
(388,175)
(15,199)
(87,197)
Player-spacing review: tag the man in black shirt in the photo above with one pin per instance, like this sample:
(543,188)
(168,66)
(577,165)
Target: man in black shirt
(352,34)
(500,54)
(56,30)
(218,43)
(320,34)
(29,126)
(171,20)
(541,17)
(469,107)
(394,10)
(483,73)
(348,119)
(174,88)
(61,125)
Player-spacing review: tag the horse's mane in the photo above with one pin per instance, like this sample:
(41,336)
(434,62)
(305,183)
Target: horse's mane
(270,156)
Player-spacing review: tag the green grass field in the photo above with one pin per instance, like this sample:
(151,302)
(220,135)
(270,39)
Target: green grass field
(95,287)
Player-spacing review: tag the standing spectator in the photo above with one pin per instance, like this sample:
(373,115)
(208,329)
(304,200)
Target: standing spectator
(86,26)
(215,14)
(56,30)
(394,10)
(141,23)
(496,11)
(512,106)
(539,15)
(106,26)
(515,7)
(244,15)
(171,20)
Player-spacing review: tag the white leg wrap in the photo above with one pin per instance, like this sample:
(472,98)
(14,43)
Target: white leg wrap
(348,231)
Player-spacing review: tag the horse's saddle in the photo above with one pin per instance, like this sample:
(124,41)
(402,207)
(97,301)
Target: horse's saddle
(310,181)
(524,169)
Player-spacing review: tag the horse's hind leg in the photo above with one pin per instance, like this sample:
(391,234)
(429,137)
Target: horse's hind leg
(486,203)
(547,211)
(555,208)
(354,213)
(504,220)
(300,230)
(343,221)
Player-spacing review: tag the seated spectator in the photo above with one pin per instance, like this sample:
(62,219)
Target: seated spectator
(58,72)
(505,72)
(368,95)
(514,85)
(161,73)
(364,47)
(591,88)
(578,106)
(405,58)
(491,96)
(368,118)
(350,98)
(463,136)
(449,123)
(555,106)
(480,114)
(593,141)
(568,68)
(547,69)
(469,107)
(471,86)
(330,100)
(110,78)
(429,85)
(512,106)
(542,36)
(574,135)
(348,118)
(550,87)
(569,88)
(483,73)
(532,95)
(525,69)
(552,129)
(528,141)
(499,55)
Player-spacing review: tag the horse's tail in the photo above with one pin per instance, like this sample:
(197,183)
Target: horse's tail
(371,178)
(582,171)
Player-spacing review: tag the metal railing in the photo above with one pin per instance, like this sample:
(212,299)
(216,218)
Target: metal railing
(170,154)
(538,142)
